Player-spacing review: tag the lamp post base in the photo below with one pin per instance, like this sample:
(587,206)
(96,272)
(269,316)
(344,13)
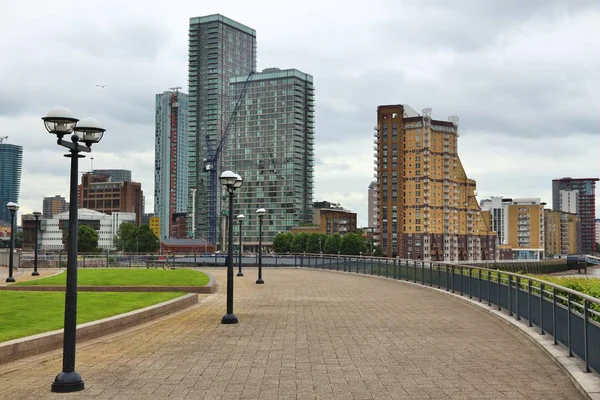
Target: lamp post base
(229,319)
(240,274)
(66,382)
(10,279)
(35,273)
(259,281)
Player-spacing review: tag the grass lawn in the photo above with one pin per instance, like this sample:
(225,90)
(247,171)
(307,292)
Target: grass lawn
(127,277)
(28,313)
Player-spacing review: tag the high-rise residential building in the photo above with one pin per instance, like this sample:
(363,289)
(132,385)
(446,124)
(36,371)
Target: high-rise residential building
(171,160)
(219,49)
(114,175)
(564,191)
(372,205)
(11,162)
(272,147)
(53,205)
(100,194)
(427,206)
(561,231)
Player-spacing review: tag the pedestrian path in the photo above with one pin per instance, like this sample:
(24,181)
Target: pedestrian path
(308,334)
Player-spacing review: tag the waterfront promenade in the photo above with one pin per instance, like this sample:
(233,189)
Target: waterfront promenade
(308,334)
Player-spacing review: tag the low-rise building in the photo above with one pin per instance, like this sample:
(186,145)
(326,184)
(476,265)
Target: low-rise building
(329,218)
(54,231)
(186,246)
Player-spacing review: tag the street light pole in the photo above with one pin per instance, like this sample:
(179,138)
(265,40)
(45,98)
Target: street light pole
(231,181)
(60,122)
(193,213)
(12,207)
(261,213)
(36,214)
(240,219)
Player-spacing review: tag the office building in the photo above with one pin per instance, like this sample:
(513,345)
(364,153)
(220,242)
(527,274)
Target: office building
(11,163)
(54,205)
(272,145)
(54,231)
(114,175)
(372,205)
(427,207)
(102,195)
(219,49)
(171,160)
(577,195)
(561,232)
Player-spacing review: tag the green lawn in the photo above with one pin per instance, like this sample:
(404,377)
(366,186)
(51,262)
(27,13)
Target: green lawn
(28,313)
(127,277)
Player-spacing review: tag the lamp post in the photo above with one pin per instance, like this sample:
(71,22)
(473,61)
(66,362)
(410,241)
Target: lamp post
(36,214)
(231,181)
(240,219)
(60,122)
(193,213)
(261,213)
(12,207)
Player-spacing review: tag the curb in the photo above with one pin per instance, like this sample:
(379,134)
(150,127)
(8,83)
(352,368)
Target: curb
(588,384)
(41,343)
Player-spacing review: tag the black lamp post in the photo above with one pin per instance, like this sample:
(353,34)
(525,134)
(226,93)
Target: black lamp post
(60,122)
(231,181)
(12,207)
(240,219)
(36,214)
(261,213)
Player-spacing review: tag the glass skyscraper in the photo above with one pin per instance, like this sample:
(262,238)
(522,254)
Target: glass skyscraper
(272,147)
(170,160)
(219,49)
(11,162)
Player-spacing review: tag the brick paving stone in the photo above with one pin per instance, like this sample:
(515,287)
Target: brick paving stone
(308,334)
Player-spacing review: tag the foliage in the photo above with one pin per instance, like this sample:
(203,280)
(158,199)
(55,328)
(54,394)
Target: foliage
(589,286)
(314,243)
(333,244)
(282,242)
(353,244)
(26,320)
(127,277)
(87,239)
(131,238)
(307,224)
(299,243)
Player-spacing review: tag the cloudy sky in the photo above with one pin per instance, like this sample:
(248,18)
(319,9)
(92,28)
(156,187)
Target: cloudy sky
(523,76)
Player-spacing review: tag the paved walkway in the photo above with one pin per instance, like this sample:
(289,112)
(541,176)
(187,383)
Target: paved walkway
(309,335)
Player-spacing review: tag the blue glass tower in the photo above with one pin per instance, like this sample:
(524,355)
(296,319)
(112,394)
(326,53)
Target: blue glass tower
(11,162)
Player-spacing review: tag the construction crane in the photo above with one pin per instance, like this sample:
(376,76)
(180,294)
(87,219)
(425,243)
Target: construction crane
(212,160)
(3,138)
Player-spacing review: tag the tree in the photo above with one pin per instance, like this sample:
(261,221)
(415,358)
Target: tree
(333,244)
(299,243)
(353,244)
(125,238)
(282,242)
(146,240)
(87,239)
(313,243)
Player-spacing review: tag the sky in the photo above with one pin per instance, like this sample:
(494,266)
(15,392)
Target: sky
(523,76)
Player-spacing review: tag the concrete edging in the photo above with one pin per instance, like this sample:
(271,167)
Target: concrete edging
(588,384)
(37,344)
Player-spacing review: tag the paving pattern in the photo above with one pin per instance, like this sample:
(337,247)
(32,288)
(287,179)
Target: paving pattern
(308,334)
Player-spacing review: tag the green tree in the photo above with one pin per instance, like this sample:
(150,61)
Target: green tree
(299,243)
(125,239)
(282,242)
(313,244)
(87,239)
(353,244)
(146,240)
(333,244)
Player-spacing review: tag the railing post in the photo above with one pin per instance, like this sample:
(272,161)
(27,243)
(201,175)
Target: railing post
(510,313)
(499,277)
(439,279)
(489,284)
(414,264)
(430,274)
(479,283)
(129,260)
(518,287)
(453,279)
(447,278)
(554,314)
(529,302)
(395,269)
(460,279)
(585,335)
(569,344)
(541,308)
(470,292)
